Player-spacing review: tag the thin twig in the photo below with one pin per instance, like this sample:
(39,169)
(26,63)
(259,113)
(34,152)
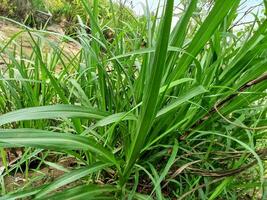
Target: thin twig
(223,102)
(179,171)
(238,125)
(222,173)
(263,152)
(244,15)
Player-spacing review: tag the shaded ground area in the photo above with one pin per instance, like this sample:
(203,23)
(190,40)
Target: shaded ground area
(22,178)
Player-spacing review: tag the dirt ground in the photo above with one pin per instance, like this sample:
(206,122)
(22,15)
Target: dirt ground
(9,29)
(37,177)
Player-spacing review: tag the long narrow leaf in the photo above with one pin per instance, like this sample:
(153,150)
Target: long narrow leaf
(85,192)
(71,177)
(50,140)
(51,112)
(190,94)
(150,97)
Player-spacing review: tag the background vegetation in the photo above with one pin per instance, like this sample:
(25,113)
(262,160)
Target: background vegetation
(42,13)
(152,113)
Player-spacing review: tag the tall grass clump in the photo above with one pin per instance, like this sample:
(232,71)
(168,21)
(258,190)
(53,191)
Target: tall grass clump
(156,113)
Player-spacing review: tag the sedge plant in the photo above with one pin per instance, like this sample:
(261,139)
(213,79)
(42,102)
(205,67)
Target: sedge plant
(159,112)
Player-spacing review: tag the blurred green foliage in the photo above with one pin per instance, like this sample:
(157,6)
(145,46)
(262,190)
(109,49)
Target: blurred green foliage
(40,13)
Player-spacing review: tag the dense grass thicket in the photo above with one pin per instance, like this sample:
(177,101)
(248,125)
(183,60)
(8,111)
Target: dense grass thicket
(153,112)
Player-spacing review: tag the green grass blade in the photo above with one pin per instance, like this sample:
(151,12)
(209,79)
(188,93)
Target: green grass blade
(23,194)
(152,89)
(71,177)
(168,166)
(49,140)
(181,99)
(174,83)
(115,118)
(51,112)
(84,192)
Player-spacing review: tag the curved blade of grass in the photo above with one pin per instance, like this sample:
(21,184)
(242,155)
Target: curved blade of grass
(84,192)
(167,168)
(51,112)
(174,83)
(152,178)
(142,196)
(220,188)
(145,51)
(50,140)
(157,190)
(23,194)
(71,177)
(190,94)
(115,118)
